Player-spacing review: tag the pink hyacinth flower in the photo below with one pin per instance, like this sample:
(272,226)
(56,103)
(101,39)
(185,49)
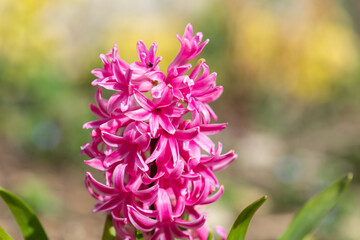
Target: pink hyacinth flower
(158,161)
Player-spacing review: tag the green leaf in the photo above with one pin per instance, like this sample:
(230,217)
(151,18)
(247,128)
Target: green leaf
(4,235)
(316,209)
(109,231)
(28,222)
(210,237)
(240,226)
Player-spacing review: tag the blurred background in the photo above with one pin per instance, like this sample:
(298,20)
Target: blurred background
(291,76)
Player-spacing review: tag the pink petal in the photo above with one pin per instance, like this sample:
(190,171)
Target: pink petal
(97,112)
(210,129)
(178,234)
(166,124)
(174,148)
(144,101)
(204,142)
(141,49)
(152,52)
(107,205)
(212,95)
(140,163)
(99,187)
(117,99)
(94,124)
(140,221)
(188,31)
(147,195)
(113,140)
(95,163)
(154,124)
(187,134)
(139,114)
(214,197)
(221,231)
(191,224)
(160,147)
(163,205)
(118,177)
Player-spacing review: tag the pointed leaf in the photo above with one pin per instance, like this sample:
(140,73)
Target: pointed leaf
(316,209)
(4,235)
(109,231)
(210,236)
(28,222)
(240,226)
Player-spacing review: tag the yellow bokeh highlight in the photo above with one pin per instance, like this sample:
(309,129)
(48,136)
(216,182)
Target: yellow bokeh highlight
(302,55)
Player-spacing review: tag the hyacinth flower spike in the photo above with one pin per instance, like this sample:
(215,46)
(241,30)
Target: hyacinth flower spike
(158,161)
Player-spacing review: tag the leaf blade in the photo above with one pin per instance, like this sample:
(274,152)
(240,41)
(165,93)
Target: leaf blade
(107,233)
(4,235)
(27,220)
(240,226)
(316,209)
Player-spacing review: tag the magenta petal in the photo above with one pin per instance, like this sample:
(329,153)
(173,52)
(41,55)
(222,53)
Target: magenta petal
(141,49)
(118,177)
(180,207)
(113,125)
(191,176)
(191,224)
(215,196)
(95,163)
(204,142)
(211,95)
(154,124)
(100,102)
(140,221)
(97,112)
(211,112)
(140,162)
(221,231)
(144,101)
(152,52)
(116,100)
(187,134)
(113,140)
(147,195)
(156,92)
(139,114)
(160,147)
(94,124)
(107,205)
(163,205)
(178,234)
(197,69)
(148,212)
(99,187)
(116,156)
(173,111)
(174,148)
(188,31)
(224,163)
(211,129)
(148,180)
(166,124)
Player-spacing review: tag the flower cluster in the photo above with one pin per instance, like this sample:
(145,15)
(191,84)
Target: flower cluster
(151,141)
